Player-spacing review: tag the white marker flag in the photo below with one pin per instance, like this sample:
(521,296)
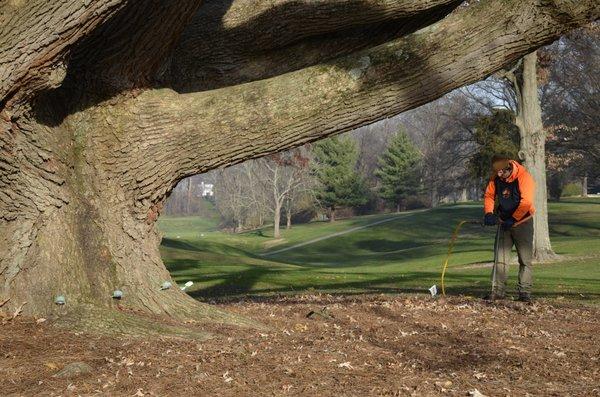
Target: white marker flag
(433,290)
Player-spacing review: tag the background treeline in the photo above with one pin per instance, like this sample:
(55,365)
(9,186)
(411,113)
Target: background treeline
(437,153)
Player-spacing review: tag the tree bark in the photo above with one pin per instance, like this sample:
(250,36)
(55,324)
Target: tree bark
(584,186)
(86,167)
(188,204)
(276,221)
(288,216)
(227,44)
(463,195)
(434,195)
(533,150)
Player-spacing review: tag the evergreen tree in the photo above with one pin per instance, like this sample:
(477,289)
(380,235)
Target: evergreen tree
(399,171)
(494,134)
(335,168)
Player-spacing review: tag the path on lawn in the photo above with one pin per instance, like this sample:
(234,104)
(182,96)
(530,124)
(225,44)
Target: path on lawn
(351,230)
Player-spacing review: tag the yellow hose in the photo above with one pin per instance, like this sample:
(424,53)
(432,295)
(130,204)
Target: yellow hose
(450,246)
(453,239)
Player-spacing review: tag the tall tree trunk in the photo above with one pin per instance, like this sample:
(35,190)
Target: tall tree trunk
(277,220)
(533,150)
(584,186)
(188,205)
(434,195)
(332,214)
(288,215)
(463,195)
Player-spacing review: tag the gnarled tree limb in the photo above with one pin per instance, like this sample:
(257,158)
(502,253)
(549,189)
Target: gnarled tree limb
(182,135)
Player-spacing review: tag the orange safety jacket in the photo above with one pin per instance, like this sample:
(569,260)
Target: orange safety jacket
(515,194)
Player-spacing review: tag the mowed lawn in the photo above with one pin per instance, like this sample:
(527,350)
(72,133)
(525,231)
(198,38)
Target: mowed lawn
(404,253)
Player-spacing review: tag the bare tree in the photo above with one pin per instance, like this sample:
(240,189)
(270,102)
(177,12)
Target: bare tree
(232,196)
(442,130)
(571,105)
(280,175)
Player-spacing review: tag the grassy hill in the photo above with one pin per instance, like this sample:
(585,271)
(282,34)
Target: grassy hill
(397,253)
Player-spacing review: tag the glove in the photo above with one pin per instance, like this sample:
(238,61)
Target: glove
(490,219)
(507,224)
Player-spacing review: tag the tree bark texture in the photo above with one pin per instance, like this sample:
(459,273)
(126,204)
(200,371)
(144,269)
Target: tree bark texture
(533,150)
(288,218)
(105,106)
(276,221)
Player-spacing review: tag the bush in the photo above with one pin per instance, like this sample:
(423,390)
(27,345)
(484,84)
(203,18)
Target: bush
(571,189)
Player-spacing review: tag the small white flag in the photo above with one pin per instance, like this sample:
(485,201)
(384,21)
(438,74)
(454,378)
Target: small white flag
(433,290)
(186,285)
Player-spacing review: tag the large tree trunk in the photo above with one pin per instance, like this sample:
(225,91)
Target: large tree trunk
(69,230)
(90,146)
(533,150)
(584,186)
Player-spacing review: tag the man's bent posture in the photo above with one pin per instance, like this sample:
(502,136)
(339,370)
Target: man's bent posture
(514,187)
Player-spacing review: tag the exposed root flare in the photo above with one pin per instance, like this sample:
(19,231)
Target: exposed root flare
(104,321)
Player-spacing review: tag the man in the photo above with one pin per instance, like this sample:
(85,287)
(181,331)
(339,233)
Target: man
(515,188)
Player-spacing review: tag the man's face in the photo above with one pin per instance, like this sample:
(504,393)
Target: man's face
(504,173)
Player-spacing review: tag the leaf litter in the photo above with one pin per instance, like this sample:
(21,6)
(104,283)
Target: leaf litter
(373,345)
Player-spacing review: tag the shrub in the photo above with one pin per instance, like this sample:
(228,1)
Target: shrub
(571,189)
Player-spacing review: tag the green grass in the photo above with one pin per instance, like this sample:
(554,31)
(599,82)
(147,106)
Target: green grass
(402,255)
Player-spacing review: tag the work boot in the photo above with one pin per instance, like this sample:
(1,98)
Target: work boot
(524,297)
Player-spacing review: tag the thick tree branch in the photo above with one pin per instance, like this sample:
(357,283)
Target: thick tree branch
(165,136)
(34,42)
(244,41)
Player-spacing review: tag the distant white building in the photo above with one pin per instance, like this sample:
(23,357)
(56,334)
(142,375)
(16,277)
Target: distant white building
(206,189)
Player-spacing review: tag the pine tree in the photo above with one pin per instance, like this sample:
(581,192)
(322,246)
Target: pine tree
(399,171)
(494,134)
(335,168)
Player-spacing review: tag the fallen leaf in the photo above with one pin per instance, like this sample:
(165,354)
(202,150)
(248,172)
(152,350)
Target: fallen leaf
(476,393)
(18,311)
(345,365)
(52,366)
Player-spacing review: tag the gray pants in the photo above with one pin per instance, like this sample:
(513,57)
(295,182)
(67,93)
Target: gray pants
(522,237)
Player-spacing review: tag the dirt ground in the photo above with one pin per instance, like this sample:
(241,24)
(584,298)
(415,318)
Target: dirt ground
(358,346)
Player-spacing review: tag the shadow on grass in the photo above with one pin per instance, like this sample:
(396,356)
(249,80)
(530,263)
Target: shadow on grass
(242,286)
(207,247)
(382,245)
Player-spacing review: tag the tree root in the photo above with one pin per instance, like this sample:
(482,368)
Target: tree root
(105,321)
